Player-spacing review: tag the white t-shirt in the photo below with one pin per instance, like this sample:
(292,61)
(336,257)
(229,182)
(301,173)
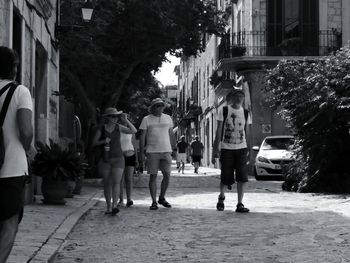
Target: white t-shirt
(233,133)
(15,163)
(126,142)
(157,138)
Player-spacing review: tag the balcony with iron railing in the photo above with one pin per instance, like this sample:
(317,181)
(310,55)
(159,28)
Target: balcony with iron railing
(222,82)
(247,47)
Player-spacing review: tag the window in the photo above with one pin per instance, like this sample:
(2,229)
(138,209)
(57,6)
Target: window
(292,19)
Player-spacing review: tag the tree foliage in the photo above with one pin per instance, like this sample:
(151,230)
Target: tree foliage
(110,61)
(315,101)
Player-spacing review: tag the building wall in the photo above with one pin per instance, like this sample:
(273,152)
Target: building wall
(38,30)
(250,15)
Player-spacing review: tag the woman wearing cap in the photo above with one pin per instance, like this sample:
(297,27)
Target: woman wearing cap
(111,166)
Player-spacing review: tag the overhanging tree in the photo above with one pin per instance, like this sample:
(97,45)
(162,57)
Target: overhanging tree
(125,43)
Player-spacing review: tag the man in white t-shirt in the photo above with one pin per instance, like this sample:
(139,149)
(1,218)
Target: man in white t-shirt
(158,138)
(17,136)
(232,123)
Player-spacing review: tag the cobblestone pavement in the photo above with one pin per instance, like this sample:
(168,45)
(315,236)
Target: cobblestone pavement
(282,227)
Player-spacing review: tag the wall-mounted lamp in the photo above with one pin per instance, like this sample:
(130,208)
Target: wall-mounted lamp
(87,11)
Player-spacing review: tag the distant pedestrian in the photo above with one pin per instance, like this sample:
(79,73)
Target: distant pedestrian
(182,146)
(128,144)
(158,138)
(111,164)
(17,135)
(196,153)
(232,125)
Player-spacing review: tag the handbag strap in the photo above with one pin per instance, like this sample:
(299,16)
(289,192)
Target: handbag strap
(12,86)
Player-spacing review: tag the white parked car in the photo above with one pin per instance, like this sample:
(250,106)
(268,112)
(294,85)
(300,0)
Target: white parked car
(273,153)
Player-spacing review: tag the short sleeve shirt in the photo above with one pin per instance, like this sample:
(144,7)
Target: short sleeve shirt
(234,136)
(197,148)
(182,146)
(157,138)
(15,163)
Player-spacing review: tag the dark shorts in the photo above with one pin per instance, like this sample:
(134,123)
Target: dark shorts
(196,158)
(11,197)
(233,166)
(130,160)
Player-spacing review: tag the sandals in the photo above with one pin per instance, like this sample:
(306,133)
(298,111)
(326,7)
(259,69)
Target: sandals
(154,206)
(164,203)
(115,211)
(241,209)
(220,206)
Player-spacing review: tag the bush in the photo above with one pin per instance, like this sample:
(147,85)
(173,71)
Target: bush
(315,101)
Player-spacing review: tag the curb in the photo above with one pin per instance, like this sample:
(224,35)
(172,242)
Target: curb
(48,251)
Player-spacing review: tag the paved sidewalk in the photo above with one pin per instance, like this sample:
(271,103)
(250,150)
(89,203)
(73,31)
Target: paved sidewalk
(45,227)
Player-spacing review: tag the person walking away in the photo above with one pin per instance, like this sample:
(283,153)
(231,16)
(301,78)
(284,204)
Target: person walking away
(231,136)
(111,165)
(158,139)
(196,153)
(128,144)
(182,146)
(17,135)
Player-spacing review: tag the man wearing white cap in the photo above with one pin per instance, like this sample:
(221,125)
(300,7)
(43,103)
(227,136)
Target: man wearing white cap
(158,138)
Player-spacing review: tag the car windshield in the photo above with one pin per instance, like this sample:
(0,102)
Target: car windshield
(277,143)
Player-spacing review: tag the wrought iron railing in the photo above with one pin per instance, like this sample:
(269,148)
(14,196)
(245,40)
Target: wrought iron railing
(254,43)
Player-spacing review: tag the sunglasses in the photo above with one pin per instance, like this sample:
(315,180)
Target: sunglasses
(113,116)
(158,105)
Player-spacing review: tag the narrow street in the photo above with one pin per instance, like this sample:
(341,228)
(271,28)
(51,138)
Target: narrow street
(281,227)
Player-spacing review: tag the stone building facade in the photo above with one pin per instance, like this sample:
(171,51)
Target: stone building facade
(28,26)
(259,34)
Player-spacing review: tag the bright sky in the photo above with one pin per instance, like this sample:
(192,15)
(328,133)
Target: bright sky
(166,74)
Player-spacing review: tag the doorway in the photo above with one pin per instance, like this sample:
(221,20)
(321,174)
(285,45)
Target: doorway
(40,93)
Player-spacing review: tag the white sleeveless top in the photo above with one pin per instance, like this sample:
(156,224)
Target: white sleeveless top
(126,142)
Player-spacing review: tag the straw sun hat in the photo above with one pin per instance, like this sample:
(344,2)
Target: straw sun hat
(111,111)
(157,101)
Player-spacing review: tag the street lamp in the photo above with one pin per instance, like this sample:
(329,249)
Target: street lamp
(87,11)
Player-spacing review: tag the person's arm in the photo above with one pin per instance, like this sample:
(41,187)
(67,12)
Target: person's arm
(127,126)
(96,141)
(25,126)
(217,140)
(133,140)
(142,145)
(172,139)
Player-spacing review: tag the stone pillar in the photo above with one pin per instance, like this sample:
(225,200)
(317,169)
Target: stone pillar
(346,21)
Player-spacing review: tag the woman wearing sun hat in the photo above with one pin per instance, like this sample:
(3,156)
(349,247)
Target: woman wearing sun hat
(111,166)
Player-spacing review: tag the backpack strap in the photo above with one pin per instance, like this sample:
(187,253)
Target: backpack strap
(246,114)
(7,101)
(224,113)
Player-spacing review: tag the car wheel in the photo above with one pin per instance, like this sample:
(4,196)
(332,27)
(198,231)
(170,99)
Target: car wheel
(257,177)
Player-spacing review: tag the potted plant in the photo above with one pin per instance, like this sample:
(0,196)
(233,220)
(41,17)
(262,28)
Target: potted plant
(238,50)
(57,166)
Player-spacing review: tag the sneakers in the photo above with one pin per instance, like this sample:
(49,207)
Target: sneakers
(129,203)
(241,209)
(220,206)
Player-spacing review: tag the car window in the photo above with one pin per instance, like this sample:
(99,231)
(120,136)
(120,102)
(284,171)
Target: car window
(277,143)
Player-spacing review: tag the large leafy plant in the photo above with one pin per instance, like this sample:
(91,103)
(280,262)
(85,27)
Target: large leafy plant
(53,162)
(315,101)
